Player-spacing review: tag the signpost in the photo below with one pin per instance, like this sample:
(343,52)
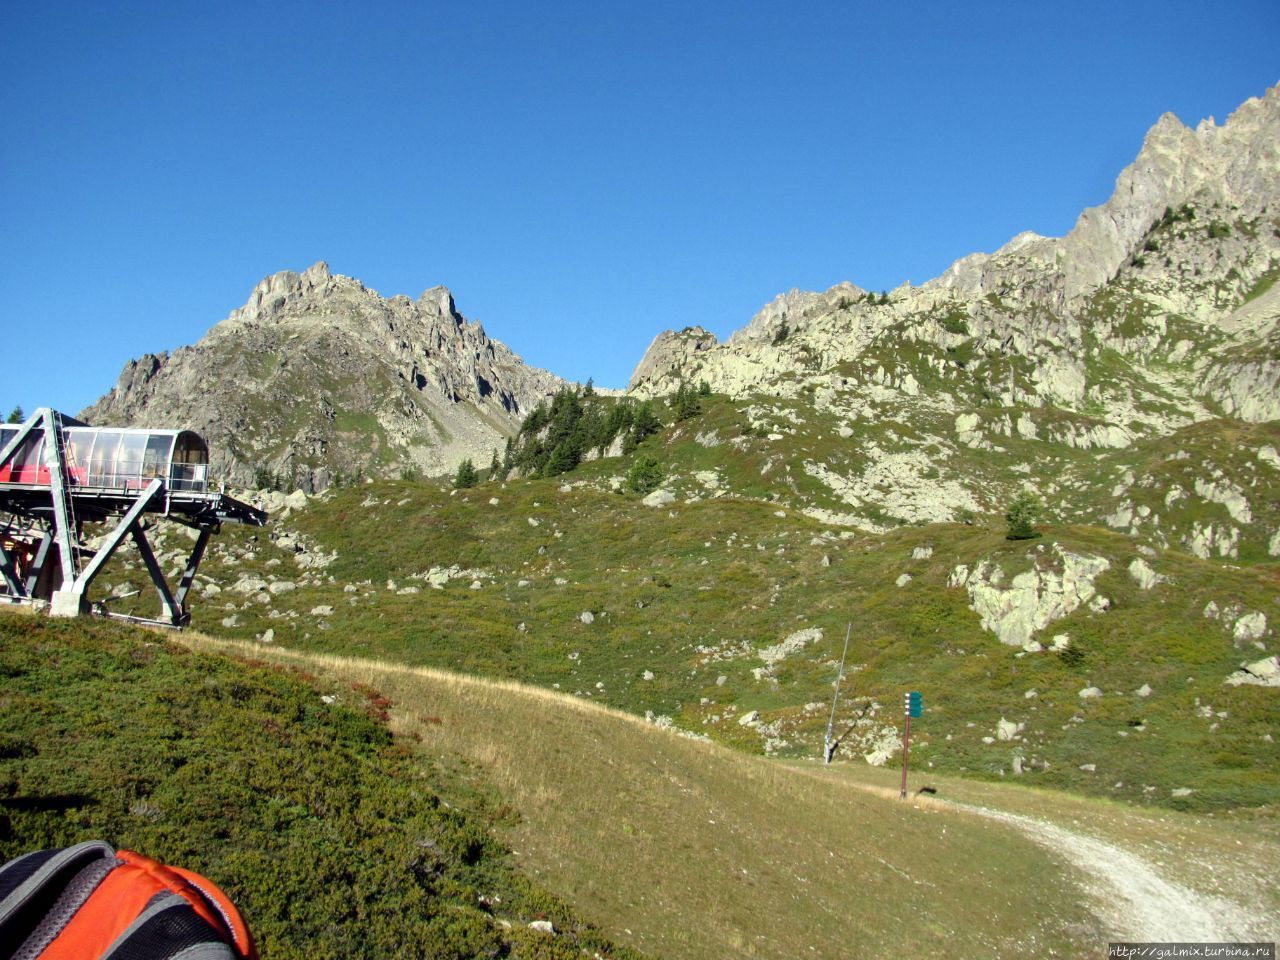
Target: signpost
(912,706)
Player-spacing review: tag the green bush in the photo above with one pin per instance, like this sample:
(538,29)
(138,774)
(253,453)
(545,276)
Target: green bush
(1021,517)
(645,475)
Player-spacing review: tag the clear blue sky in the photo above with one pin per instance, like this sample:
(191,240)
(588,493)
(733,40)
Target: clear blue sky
(581,175)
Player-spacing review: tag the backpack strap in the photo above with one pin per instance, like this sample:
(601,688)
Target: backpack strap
(31,885)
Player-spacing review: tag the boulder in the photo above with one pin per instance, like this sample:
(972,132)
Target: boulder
(659,498)
(1007,729)
(1251,626)
(1143,575)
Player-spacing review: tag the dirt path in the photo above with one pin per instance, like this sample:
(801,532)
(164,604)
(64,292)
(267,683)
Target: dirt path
(1132,900)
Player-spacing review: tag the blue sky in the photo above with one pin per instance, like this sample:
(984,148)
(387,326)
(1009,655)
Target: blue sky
(581,175)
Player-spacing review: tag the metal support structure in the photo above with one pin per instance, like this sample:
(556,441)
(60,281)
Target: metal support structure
(10,574)
(55,459)
(12,446)
(129,523)
(117,535)
(193,563)
(37,565)
(828,744)
(171,608)
(906,747)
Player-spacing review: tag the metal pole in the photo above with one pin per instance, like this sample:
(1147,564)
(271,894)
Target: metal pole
(828,749)
(906,747)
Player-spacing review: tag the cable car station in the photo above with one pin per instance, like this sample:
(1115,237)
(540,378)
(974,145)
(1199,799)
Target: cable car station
(57,474)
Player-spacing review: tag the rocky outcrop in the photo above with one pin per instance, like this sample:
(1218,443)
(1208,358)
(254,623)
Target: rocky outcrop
(1034,598)
(672,351)
(318,378)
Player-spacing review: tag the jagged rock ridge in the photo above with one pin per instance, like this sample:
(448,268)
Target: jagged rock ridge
(1157,312)
(318,378)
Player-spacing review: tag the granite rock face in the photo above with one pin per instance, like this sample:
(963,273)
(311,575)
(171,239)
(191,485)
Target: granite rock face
(318,378)
(1173,269)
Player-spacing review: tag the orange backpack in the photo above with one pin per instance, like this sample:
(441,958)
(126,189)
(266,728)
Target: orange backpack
(89,901)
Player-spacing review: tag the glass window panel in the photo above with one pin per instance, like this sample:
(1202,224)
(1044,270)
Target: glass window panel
(102,462)
(28,455)
(78,445)
(156,459)
(129,459)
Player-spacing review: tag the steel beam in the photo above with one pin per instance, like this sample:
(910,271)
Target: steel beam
(157,574)
(117,535)
(10,574)
(65,523)
(193,563)
(11,447)
(37,565)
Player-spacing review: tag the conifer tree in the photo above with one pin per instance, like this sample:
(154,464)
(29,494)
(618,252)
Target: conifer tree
(466,475)
(645,423)
(1022,517)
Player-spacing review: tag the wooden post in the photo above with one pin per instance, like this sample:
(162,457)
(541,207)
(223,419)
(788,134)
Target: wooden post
(906,746)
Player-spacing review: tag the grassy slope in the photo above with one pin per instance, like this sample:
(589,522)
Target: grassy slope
(331,840)
(659,607)
(696,851)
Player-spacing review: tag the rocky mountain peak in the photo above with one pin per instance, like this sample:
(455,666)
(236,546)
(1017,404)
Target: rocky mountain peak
(438,301)
(274,294)
(318,378)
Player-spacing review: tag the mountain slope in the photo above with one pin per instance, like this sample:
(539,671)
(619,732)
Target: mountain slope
(318,379)
(1157,311)
(1087,659)
(699,852)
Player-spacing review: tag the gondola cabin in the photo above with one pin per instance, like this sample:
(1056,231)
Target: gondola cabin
(113,458)
(58,474)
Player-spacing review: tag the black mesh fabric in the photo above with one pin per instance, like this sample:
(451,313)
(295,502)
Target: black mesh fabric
(18,924)
(15,871)
(165,934)
(56,918)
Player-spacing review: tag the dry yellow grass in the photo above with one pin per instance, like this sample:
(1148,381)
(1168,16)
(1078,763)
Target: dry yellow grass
(689,850)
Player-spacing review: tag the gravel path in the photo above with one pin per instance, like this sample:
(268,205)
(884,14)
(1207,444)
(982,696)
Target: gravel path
(1132,900)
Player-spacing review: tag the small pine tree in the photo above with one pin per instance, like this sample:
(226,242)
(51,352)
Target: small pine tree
(561,460)
(704,389)
(17,416)
(590,389)
(495,467)
(644,423)
(1022,517)
(466,475)
(645,475)
(686,403)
